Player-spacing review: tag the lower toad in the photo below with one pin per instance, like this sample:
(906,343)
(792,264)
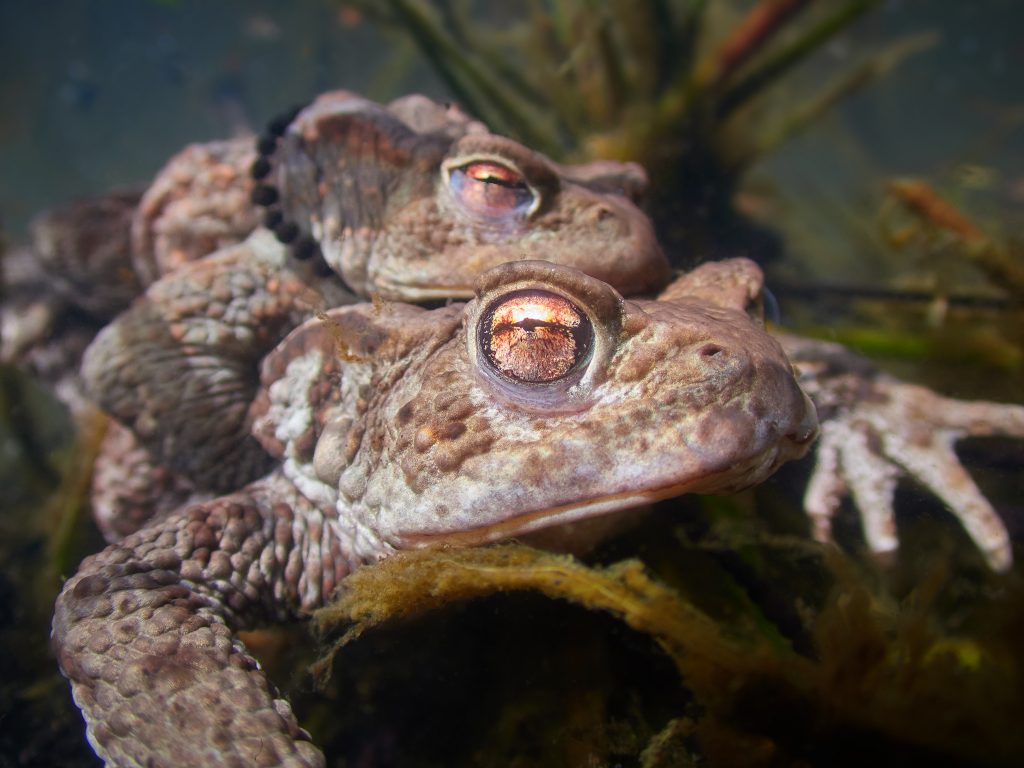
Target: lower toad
(547,399)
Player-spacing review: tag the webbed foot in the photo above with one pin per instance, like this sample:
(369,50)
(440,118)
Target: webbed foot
(876,429)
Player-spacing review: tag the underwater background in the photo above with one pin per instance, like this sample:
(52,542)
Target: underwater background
(812,173)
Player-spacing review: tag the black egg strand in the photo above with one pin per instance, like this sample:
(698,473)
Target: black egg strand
(266,196)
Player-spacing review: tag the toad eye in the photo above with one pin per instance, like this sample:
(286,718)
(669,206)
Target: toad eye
(491,189)
(535,337)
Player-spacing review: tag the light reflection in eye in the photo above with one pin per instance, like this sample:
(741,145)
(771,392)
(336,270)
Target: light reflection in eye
(535,337)
(491,189)
(531,311)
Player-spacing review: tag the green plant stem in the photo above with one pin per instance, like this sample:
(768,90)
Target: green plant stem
(790,55)
(757,29)
(613,78)
(472,81)
(682,46)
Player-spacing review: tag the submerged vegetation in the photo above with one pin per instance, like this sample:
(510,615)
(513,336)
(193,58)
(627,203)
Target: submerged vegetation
(879,683)
(43,536)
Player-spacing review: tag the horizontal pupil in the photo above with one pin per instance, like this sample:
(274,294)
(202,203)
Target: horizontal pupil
(529,324)
(509,183)
(533,336)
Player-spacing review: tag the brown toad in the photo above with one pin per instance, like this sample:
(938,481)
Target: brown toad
(360,182)
(53,302)
(545,400)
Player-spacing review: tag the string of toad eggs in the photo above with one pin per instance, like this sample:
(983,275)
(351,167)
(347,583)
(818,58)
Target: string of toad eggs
(304,247)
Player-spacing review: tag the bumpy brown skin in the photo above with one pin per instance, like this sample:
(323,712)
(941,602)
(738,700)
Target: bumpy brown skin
(145,633)
(391,431)
(128,488)
(198,203)
(179,368)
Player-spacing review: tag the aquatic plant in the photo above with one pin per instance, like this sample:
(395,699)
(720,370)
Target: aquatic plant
(882,681)
(937,224)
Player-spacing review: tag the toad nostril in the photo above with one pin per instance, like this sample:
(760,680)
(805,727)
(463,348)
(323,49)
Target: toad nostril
(603,214)
(710,350)
(807,428)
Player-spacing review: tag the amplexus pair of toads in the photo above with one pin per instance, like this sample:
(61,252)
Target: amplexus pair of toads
(342,432)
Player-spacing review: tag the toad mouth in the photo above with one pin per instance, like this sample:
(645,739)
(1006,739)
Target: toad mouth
(548,517)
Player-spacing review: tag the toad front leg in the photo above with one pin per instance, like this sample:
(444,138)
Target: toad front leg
(144,631)
(876,429)
(180,368)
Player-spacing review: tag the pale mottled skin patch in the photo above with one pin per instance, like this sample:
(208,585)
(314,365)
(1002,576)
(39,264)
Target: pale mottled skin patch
(405,438)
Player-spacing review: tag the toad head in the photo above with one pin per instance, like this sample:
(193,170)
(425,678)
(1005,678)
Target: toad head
(546,399)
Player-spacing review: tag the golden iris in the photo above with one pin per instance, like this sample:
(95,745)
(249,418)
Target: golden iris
(535,337)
